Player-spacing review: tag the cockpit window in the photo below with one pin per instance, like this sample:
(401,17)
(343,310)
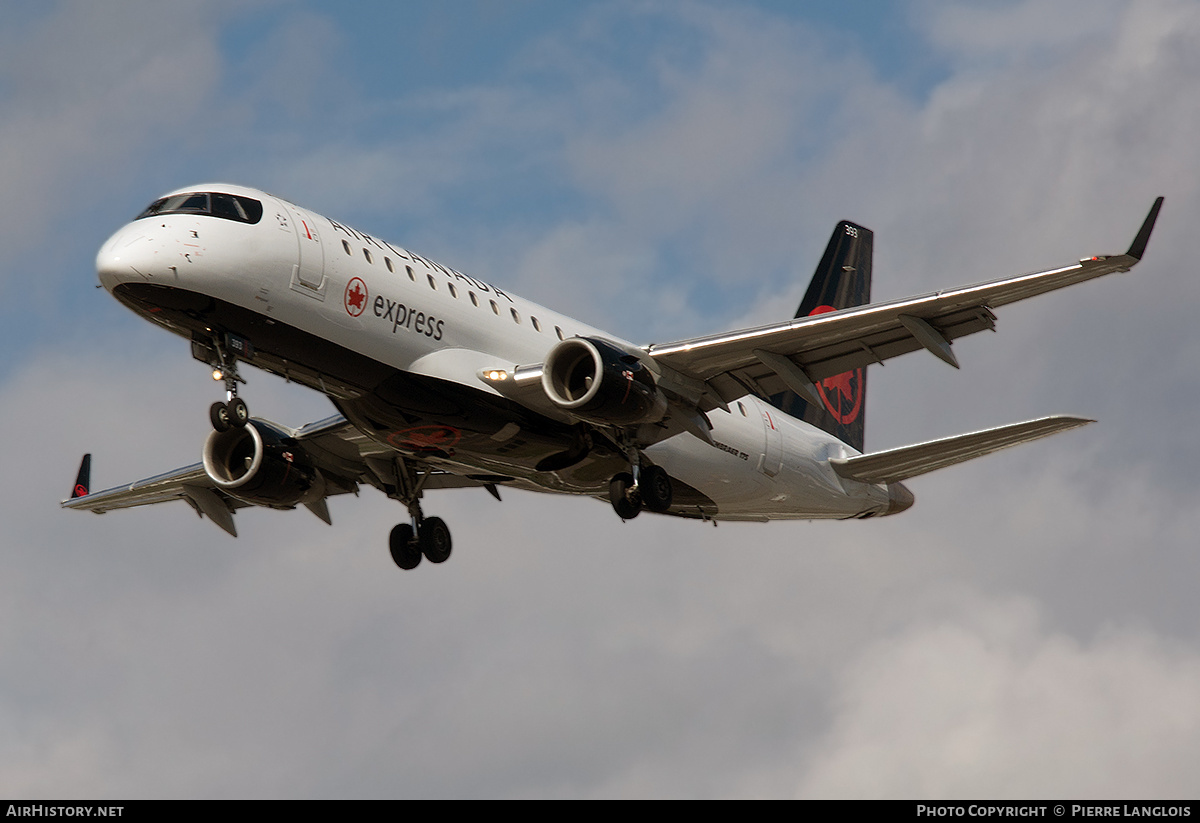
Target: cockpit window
(225,206)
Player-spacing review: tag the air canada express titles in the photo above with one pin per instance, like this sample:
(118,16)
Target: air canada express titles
(405,317)
(453,274)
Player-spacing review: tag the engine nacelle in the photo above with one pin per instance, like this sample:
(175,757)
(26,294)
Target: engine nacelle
(598,382)
(260,464)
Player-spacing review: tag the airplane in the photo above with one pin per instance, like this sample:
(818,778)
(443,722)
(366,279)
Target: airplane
(443,380)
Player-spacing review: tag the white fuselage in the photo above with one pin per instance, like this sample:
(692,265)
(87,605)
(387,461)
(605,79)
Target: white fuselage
(331,284)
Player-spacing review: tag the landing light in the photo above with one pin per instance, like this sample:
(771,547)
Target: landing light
(218,374)
(496,375)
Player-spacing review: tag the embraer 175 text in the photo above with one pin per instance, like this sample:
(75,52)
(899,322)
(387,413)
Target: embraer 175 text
(444,381)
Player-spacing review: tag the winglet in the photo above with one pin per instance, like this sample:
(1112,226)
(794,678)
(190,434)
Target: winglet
(83,480)
(1143,236)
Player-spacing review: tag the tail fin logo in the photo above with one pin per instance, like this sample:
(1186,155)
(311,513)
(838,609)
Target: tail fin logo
(842,394)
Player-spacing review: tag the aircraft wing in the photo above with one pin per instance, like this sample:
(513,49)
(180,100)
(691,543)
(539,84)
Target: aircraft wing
(795,354)
(344,456)
(894,465)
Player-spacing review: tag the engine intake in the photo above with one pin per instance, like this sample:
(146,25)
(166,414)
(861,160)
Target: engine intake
(598,382)
(260,464)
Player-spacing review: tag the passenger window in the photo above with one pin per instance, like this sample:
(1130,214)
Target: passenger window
(411,276)
(432,282)
(741,408)
(453,291)
(536,325)
(558,331)
(346,246)
(387,261)
(474,299)
(367,255)
(516,317)
(495,308)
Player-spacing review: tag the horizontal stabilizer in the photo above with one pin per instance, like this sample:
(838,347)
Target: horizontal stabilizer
(894,465)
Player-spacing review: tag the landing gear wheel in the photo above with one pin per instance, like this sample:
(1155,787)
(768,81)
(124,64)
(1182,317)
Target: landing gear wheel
(239,412)
(655,486)
(404,548)
(218,415)
(434,539)
(618,495)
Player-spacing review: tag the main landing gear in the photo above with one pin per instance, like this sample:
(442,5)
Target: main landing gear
(427,537)
(642,486)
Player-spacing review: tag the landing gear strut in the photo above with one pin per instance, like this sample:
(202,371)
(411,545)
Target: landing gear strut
(427,537)
(643,486)
(233,413)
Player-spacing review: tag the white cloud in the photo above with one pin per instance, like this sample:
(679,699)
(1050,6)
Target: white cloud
(1011,632)
(990,703)
(89,88)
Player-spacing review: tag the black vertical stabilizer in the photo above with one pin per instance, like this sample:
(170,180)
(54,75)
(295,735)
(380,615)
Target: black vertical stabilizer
(842,280)
(83,480)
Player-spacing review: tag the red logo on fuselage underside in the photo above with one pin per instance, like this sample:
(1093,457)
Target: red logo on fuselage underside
(425,438)
(842,394)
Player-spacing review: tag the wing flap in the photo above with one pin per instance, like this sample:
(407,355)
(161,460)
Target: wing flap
(895,465)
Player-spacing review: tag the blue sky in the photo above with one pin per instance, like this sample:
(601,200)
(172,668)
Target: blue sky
(473,105)
(662,170)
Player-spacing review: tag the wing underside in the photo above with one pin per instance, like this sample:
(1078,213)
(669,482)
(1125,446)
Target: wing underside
(344,455)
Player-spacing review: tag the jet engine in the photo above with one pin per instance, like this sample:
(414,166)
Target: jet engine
(261,464)
(596,381)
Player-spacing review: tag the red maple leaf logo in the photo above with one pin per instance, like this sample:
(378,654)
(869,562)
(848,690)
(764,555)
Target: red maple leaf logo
(432,437)
(841,382)
(848,385)
(356,297)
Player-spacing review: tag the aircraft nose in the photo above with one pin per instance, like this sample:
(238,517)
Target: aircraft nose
(117,260)
(899,498)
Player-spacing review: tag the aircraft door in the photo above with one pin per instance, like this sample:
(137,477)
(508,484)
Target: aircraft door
(308,275)
(772,457)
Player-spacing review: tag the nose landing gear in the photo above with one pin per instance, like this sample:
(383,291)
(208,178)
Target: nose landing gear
(229,415)
(233,413)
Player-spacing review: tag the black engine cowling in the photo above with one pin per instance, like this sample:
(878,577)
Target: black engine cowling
(596,381)
(261,464)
